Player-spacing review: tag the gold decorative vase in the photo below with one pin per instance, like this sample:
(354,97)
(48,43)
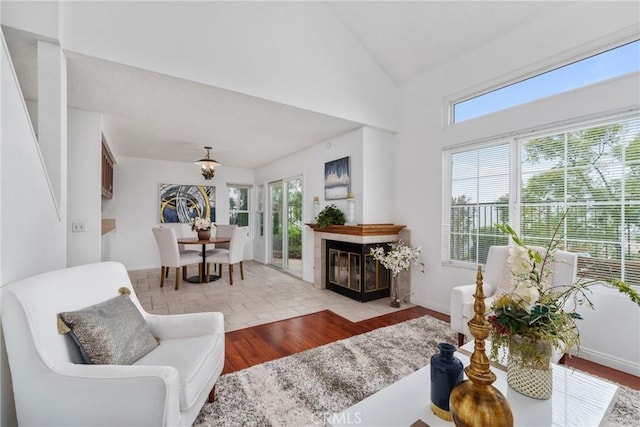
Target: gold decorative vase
(529,367)
(476,402)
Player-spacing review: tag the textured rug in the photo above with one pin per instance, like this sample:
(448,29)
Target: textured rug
(305,388)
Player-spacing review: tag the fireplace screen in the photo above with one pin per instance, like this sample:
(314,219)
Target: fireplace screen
(353,272)
(345,269)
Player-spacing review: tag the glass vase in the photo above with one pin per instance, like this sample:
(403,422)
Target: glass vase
(529,367)
(395,292)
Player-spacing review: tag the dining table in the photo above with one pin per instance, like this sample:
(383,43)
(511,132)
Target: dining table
(202,278)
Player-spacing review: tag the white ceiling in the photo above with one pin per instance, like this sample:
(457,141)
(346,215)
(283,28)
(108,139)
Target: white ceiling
(410,37)
(150,115)
(162,117)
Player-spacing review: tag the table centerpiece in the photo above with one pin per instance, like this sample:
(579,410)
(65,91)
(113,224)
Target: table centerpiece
(203,227)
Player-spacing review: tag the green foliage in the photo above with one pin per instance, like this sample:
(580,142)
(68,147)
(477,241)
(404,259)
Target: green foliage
(294,203)
(330,215)
(577,166)
(295,242)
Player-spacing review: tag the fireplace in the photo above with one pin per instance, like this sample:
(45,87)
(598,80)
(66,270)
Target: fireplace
(352,271)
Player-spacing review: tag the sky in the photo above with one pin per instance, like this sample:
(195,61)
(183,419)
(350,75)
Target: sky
(612,63)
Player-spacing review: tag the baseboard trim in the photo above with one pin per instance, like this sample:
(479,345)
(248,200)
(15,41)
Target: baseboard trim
(613,362)
(444,309)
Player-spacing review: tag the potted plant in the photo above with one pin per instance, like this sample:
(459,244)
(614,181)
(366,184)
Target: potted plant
(536,316)
(330,215)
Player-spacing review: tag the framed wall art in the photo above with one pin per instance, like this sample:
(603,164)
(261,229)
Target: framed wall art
(337,179)
(182,203)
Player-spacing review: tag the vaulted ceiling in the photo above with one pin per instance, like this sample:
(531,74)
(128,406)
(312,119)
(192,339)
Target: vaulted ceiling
(158,116)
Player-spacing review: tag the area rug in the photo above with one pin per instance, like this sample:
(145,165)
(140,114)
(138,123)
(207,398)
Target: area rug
(305,388)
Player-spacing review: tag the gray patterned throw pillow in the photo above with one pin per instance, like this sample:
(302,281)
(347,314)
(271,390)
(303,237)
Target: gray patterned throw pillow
(110,333)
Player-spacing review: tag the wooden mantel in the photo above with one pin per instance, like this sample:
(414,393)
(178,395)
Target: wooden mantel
(360,229)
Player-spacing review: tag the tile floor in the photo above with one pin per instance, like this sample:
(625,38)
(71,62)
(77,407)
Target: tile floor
(265,295)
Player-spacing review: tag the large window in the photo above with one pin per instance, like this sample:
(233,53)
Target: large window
(239,205)
(606,65)
(590,171)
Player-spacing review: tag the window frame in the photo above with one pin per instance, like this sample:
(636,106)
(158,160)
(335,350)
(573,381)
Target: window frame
(532,70)
(515,175)
(259,211)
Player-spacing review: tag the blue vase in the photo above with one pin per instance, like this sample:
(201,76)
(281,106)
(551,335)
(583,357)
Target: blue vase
(446,372)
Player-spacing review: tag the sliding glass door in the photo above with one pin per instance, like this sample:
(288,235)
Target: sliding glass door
(286,224)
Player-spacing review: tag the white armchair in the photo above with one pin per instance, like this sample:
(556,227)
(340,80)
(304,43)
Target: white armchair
(564,271)
(166,387)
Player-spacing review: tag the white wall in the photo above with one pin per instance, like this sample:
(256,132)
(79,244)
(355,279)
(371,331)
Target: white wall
(135,204)
(310,164)
(84,184)
(378,178)
(39,17)
(32,229)
(370,184)
(418,155)
(52,115)
(317,66)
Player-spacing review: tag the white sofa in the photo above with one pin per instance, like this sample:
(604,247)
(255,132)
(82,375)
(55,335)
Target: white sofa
(166,387)
(564,271)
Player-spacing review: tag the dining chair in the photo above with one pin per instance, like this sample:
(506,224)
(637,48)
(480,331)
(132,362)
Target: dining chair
(235,254)
(170,256)
(224,231)
(181,229)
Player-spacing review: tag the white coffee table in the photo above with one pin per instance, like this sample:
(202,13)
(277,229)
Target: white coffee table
(578,400)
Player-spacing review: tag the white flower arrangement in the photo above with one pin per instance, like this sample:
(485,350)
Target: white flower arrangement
(519,260)
(398,258)
(198,224)
(537,311)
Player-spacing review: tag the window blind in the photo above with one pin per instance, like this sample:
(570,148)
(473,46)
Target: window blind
(580,184)
(479,199)
(592,173)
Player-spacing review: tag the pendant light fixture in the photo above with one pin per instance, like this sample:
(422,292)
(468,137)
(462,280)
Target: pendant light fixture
(208,165)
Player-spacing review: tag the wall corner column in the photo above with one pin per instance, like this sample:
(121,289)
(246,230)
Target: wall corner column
(52,118)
